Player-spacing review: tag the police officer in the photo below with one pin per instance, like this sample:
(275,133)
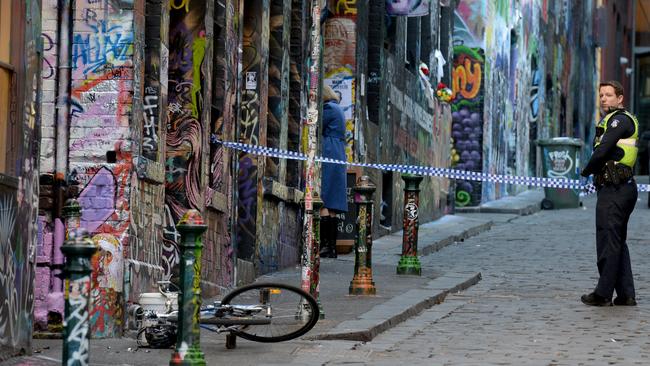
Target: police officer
(615,151)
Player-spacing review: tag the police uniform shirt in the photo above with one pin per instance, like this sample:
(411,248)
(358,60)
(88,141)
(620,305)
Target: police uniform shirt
(619,127)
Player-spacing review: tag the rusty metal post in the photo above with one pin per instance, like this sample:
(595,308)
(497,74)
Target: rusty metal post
(310,145)
(314,283)
(188,345)
(409,263)
(362,283)
(78,250)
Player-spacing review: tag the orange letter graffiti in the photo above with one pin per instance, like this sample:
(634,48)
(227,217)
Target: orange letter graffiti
(467,75)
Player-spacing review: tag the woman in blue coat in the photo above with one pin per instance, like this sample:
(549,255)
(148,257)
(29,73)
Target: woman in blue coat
(333,176)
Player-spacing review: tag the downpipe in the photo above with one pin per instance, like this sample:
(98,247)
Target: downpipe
(63,91)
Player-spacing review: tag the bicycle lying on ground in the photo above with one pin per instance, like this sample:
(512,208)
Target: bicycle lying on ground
(260,312)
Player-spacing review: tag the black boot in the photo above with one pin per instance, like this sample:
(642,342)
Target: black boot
(593,299)
(327,240)
(324,238)
(332,233)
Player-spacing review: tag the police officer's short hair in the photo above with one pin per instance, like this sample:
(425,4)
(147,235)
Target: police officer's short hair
(618,88)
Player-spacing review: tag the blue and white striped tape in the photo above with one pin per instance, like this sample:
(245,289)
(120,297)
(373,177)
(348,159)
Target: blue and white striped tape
(425,170)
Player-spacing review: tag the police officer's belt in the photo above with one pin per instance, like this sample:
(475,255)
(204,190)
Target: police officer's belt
(613,173)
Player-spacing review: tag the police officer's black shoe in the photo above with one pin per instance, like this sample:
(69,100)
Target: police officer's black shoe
(624,301)
(593,299)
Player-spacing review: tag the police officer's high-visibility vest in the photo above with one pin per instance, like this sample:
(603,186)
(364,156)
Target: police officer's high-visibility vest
(628,145)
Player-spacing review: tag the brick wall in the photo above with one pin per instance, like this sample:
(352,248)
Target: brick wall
(48,75)
(44,255)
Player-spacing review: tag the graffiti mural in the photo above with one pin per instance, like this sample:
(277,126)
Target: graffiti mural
(106,286)
(339,62)
(186,88)
(108,264)
(494,92)
(15,279)
(100,158)
(100,200)
(218,252)
(467,120)
(469,23)
(419,134)
(19,193)
(105,42)
(249,129)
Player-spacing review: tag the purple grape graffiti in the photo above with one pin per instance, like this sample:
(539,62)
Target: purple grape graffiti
(467,121)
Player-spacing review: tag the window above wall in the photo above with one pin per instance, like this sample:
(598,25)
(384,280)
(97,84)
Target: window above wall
(642,23)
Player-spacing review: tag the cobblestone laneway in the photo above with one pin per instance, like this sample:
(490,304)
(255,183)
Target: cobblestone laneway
(525,311)
(527,308)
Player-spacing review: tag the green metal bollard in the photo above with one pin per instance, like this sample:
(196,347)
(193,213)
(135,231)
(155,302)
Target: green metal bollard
(188,347)
(362,283)
(409,263)
(78,250)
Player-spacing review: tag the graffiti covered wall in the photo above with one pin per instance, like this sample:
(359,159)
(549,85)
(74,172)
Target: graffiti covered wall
(220,255)
(188,165)
(143,265)
(570,65)
(100,148)
(467,120)
(279,245)
(484,133)
(251,129)
(19,189)
(531,63)
(48,295)
(339,61)
(496,54)
(418,129)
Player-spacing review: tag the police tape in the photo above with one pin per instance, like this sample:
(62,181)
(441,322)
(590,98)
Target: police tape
(541,182)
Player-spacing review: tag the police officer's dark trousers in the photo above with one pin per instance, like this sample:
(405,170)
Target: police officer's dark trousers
(613,209)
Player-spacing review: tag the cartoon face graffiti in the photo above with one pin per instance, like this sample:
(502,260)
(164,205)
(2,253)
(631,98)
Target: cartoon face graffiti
(107,262)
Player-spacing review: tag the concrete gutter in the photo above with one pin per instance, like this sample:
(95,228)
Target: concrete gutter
(398,309)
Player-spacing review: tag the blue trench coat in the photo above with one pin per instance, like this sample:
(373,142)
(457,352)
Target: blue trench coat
(333,176)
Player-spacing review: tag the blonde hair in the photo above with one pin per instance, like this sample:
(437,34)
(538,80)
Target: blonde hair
(329,94)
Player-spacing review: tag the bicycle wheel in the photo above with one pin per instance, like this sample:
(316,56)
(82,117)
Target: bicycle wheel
(292,311)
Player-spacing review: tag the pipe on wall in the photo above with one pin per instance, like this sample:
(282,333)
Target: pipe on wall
(63,91)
